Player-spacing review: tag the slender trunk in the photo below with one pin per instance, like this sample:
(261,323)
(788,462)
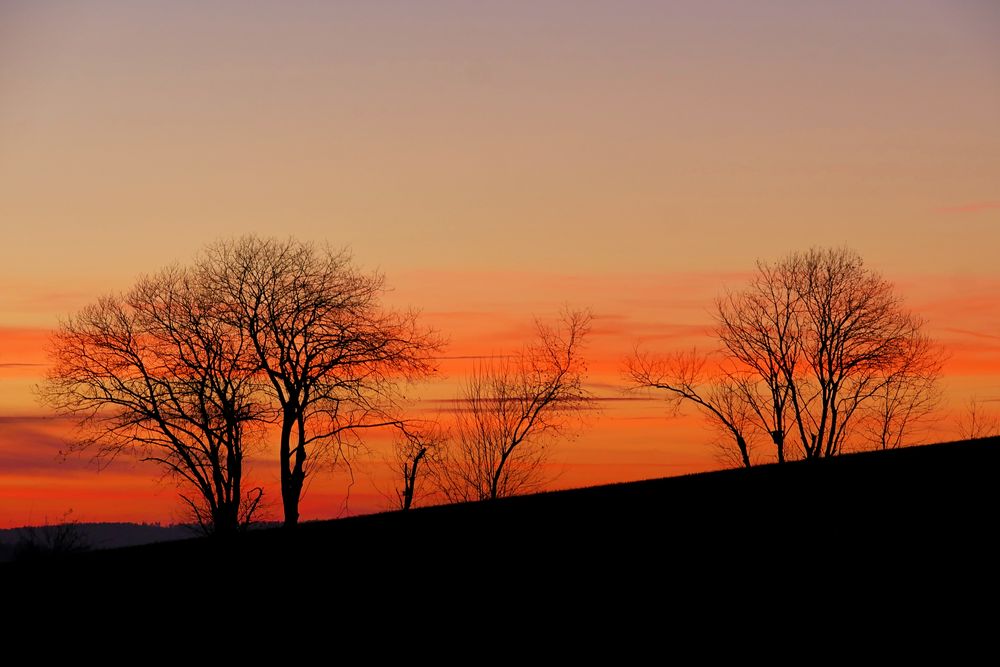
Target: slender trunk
(411,479)
(495,482)
(832,447)
(778,436)
(298,476)
(744,452)
(289,495)
(799,419)
(407,496)
(234,468)
(819,438)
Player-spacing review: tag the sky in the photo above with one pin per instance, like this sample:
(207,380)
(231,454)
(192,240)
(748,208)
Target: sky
(495,160)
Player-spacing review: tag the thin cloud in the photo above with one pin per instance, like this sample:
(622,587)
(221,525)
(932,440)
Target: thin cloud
(975,334)
(37,419)
(29,450)
(458,405)
(22,347)
(466,357)
(972,207)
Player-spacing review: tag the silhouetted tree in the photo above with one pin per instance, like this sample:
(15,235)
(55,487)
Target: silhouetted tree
(158,374)
(685,379)
(977,421)
(907,397)
(510,407)
(760,331)
(816,342)
(851,337)
(417,452)
(332,355)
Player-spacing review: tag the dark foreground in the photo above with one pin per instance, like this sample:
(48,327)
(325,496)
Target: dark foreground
(915,521)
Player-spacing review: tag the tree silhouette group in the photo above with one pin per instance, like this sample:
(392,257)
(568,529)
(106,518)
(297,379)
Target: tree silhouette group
(817,352)
(198,366)
(190,367)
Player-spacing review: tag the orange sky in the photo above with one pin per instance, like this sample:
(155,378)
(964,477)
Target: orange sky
(495,160)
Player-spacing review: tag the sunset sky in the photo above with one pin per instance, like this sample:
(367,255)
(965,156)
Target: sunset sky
(495,160)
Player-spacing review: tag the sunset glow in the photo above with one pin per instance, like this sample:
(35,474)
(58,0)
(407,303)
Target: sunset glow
(496,162)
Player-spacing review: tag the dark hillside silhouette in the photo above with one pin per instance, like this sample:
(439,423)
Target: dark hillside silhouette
(920,516)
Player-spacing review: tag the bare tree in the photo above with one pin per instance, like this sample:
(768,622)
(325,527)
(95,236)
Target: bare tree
(685,379)
(157,374)
(978,422)
(813,344)
(760,330)
(828,334)
(907,397)
(332,355)
(511,407)
(417,455)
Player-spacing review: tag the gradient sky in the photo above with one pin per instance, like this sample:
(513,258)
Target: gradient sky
(495,160)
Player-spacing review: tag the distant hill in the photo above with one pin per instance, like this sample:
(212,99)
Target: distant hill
(869,519)
(103,535)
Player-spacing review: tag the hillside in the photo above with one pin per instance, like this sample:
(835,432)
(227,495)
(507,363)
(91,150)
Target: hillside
(96,535)
(926,507)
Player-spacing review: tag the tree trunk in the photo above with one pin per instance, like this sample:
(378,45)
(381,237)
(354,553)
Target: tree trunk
(225,519)
(778,436)
(290,503)
(411,479)
(289,495)
(744,452)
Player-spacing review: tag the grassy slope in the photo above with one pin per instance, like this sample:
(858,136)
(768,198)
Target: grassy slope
(875,516)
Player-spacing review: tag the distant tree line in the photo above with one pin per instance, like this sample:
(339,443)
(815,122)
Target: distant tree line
(32,543)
